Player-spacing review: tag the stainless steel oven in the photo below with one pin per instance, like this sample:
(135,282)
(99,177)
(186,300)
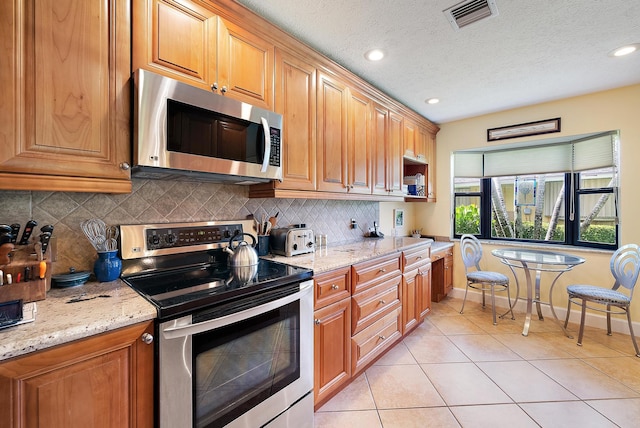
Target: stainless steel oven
(231,350)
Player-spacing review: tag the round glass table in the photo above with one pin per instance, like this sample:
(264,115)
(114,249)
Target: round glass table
(538,261)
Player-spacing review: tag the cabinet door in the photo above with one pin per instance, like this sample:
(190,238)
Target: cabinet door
(359,143)
(421,143)
(65,93)
(395,153)
(332,352)
(410,303)
(332,135)
(379,148)
(448,272)
(245,65)
(410,133)
(424,291)
(103,381)
(296,101)
(178,40)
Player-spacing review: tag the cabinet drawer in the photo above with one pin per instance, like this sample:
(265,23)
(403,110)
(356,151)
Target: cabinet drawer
(369,305)
(374,340)
(332,286)
(415,257)
(371,273)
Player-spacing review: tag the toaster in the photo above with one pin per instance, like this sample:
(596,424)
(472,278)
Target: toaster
(291,241)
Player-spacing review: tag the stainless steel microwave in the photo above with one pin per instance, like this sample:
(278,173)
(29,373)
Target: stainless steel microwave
(183,131)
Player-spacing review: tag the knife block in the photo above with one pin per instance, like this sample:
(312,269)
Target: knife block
(35,289)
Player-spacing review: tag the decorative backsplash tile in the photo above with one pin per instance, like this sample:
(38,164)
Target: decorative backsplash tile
(160,201)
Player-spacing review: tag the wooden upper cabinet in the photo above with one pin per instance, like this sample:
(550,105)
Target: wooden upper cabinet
(396,123)
(332,135)
(410,134)
(386,152)
(245,65)
(178,40)
(65,95)
(189,42)
(295,100)
(431,167)
(359,143)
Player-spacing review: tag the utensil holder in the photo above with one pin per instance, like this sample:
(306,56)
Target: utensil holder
(107,266)
(263,245)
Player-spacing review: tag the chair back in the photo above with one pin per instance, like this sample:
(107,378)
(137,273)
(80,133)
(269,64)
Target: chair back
(471,250)
(625,266)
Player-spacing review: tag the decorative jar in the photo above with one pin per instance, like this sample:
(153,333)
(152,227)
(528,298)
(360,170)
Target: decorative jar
(108,266)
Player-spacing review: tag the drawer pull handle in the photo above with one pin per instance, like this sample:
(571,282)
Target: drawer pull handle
(382,302)
(419,257)
(383,270)
(334,287)
(317,321)
(382,337)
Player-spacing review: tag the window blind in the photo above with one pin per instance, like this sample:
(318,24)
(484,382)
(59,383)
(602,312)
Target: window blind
(597,151)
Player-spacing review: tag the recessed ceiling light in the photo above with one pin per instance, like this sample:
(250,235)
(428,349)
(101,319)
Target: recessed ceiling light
(432,101)
(625,50)
(374,55)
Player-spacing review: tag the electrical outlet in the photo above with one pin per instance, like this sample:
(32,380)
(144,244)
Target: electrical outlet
(354,224)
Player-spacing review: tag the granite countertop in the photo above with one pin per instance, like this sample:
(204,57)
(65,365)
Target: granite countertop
(59,322)
(333,257)
(440,246)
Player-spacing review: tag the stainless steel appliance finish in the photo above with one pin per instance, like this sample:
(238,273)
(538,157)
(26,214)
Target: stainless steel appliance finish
(224,120)
(292,241)
(235,347)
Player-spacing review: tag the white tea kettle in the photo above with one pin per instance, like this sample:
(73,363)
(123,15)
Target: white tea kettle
(242,254)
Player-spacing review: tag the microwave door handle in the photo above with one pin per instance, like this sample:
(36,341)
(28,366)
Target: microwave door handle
(188,330)
(267,144)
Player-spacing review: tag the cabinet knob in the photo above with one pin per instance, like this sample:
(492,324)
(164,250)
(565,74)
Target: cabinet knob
(224,89)
(317,321)
(147,338)
(124,166)
(214,87)
(382,270)
(382,302)
(334,287)
(382,337)
(419,257)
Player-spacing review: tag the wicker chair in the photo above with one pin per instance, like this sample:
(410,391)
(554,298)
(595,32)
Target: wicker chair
(479,279)
(625,267)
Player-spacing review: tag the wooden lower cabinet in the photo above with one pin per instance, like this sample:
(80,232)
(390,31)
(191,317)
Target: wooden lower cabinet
(332,356)
(102,381)
(442,274)
(424,291)
(410,314)
(371,342)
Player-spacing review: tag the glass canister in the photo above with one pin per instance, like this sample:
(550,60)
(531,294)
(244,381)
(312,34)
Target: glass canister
(108,266)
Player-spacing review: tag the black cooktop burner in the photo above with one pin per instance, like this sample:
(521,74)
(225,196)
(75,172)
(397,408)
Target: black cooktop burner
(182,290)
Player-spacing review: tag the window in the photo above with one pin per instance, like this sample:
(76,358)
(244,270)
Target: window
(563,193)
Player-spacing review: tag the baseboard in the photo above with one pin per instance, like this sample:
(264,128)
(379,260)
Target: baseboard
(618,324)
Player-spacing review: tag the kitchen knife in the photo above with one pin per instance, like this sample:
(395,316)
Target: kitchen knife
(26,233)
(15,229)
(44,240)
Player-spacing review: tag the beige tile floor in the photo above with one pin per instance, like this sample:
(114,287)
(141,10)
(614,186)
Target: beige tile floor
(460,370)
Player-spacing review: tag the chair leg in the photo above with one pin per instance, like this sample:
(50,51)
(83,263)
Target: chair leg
(464,300)
(609,320)
(483,301)
(513,317)
(633,337)
(493,304)
(584,310)
(566,320)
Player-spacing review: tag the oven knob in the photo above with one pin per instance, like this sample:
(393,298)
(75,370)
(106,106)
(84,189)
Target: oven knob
(154,240)
(170,239)
(147,338)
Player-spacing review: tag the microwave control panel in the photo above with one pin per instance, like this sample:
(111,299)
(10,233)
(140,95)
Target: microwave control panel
(274,157)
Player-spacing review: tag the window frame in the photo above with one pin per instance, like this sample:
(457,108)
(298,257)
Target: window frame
(572,227)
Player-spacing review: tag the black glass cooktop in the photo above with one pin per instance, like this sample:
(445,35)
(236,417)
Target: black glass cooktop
(179,291)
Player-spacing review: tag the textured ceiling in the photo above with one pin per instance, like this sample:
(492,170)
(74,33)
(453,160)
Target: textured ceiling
(533,51)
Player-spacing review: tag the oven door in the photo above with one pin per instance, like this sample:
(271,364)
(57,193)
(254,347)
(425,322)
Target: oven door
(241,364)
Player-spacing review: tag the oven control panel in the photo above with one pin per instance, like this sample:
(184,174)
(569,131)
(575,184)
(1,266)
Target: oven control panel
(171,237)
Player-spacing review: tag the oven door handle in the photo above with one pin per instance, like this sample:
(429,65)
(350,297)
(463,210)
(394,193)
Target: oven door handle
(191,329)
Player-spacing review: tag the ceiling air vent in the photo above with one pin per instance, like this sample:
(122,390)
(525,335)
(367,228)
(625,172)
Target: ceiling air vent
(468,12)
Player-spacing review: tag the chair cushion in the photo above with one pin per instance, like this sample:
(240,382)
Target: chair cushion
(487,276)
(598,294)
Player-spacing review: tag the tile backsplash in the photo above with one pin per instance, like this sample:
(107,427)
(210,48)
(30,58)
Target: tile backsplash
(160,201)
